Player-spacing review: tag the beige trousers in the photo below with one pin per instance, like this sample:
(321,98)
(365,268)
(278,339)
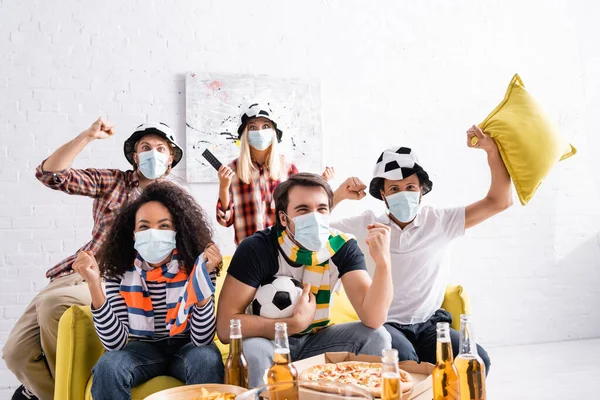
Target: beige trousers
(30,351)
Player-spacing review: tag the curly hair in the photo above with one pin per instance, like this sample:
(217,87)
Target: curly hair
(194,231)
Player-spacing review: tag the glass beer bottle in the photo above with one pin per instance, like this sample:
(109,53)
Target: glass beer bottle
(282,369)
(470,367)
(390,378)
(236,366)
(445,376)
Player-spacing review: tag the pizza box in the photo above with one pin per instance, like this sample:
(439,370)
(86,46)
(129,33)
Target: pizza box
(420,372)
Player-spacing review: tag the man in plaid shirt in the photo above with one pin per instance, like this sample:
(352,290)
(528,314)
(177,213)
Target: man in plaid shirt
(30,351)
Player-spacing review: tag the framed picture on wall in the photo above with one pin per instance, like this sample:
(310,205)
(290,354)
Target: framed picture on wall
(214,103)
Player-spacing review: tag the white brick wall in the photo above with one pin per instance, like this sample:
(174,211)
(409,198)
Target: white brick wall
(416,73)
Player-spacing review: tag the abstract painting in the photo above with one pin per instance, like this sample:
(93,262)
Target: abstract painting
(214,103)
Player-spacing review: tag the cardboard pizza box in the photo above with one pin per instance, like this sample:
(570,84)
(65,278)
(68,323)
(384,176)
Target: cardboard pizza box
(420,372)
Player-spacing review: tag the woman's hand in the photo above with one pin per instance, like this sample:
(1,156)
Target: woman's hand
(328,174)
(213,257)
(86,266)
(225,177)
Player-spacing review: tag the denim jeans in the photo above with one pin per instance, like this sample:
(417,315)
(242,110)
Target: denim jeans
(418,341)
(117,371)
(352,337)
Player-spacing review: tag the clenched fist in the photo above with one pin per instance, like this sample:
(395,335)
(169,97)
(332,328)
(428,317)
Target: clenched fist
(86,266)
(100,129)
(304,310)
(352,189)
(378,241)
(213,257)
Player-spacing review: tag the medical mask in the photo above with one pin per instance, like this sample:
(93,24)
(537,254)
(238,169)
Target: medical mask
(261,139)
(153,164)
(312,230)
(155,245)
(404,205)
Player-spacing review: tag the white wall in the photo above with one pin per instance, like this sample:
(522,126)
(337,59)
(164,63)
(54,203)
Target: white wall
(411,73)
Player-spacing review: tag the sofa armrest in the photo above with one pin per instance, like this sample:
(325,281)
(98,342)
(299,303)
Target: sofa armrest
(78,350)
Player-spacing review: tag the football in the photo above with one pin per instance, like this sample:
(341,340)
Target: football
(276,299)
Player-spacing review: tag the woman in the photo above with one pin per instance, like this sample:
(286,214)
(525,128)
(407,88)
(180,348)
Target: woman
(246,186)
(157,315)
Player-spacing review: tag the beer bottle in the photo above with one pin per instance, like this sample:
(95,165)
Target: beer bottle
(445,376)
(236,366)
(471,369)
(390,378)
(282,369)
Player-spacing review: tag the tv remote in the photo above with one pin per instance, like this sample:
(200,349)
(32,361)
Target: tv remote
(212,160)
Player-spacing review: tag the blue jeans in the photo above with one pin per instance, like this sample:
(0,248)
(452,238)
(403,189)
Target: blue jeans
(352,337)
(117,371)
(418,341)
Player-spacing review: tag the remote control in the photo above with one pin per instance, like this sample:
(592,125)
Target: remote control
(212,160)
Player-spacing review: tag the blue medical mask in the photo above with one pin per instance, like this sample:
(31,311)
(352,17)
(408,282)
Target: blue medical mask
(153,164)
(312,230)
(261,139)
(404,205)
(155,245)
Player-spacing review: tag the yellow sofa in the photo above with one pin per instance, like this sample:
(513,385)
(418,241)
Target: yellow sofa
(79,348)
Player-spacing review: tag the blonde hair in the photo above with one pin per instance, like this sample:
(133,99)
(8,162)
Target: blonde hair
(273,162)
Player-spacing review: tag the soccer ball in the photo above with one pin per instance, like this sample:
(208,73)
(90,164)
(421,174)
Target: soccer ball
(276,299)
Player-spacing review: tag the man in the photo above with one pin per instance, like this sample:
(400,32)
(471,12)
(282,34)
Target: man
(302,246)
(30,351)
(420,237)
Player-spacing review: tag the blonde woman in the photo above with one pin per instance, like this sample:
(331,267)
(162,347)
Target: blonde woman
(246,186)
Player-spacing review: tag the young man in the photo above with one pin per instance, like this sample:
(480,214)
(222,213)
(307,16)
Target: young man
(301,245)
(420,237)
(30,351)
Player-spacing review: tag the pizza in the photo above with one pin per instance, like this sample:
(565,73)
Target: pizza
(365,375)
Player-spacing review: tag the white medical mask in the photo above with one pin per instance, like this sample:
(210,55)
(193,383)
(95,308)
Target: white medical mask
(404,205)
(261,139)
(153,164)
(312,230)
(155,245)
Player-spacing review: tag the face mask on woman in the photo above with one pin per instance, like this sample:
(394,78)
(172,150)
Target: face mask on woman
(155,245)
(404,205)
(261,139)
(153,164)
(312,230)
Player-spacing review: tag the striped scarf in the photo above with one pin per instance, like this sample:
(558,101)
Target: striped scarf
(183,292)
(316,270)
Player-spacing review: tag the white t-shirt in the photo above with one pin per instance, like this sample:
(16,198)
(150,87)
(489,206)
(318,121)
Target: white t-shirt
(419,273)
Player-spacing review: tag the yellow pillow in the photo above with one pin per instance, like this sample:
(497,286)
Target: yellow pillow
(529,142)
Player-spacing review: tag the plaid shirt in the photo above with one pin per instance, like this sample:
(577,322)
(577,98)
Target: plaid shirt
(110,189)
(251,206)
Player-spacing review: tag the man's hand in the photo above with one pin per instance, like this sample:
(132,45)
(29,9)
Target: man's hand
(378,241)
(477,139)
(100,129)
(352,189)
(86,266)
(225,176)
(328,174)
(304,311)
(213,257)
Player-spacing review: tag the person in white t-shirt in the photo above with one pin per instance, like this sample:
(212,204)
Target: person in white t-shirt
(420,236)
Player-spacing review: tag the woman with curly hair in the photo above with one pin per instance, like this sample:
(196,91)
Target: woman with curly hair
(157,316)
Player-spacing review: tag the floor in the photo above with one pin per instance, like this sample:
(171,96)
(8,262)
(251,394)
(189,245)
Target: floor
(563,370)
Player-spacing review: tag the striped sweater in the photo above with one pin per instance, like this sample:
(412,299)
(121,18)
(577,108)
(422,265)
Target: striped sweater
(112,325)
